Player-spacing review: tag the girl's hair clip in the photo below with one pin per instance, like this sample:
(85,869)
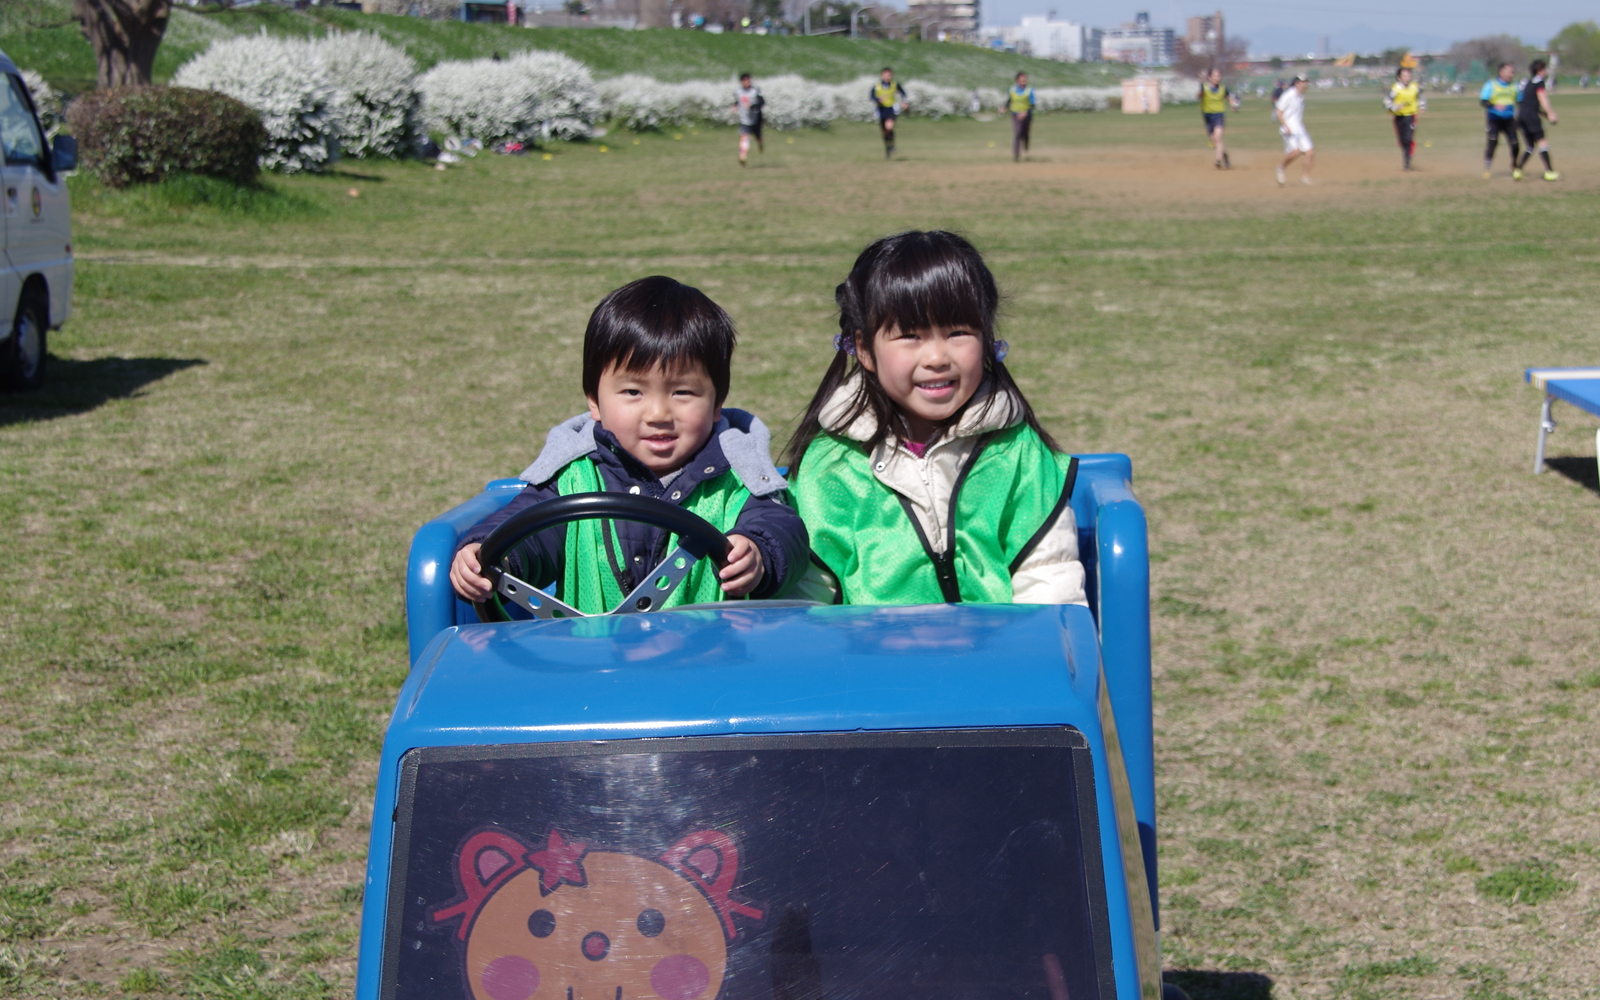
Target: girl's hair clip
(1001,349)
(845,344)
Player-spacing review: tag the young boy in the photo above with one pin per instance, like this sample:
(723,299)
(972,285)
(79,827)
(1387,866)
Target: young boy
(1216,101)
(890,99)
(1406,104)
(748,102)
(1499,100)
(1290,111)
(1020,101)
(656,359)
(1534,102)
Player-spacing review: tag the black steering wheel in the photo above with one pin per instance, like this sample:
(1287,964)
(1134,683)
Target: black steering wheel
(697,539)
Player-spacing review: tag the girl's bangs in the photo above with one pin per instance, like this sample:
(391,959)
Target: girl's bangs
(929,285)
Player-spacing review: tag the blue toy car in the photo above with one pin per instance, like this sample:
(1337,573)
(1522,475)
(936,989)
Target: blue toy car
(766,800)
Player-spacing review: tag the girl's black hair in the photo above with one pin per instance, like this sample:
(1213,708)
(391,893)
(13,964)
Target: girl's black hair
(657,320)
(1537,67)
(913,281)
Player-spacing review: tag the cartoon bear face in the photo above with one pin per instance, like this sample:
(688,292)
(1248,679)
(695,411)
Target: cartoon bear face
(570,923)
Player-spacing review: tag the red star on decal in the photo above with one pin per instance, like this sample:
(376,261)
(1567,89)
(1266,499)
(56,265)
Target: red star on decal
(559,863)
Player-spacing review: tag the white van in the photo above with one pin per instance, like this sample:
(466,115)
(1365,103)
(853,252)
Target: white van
(35,230)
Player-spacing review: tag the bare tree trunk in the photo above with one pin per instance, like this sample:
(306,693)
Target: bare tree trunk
(125,35)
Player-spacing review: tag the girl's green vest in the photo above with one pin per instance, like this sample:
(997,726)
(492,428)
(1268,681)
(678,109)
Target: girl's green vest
(866,534)
(587,580)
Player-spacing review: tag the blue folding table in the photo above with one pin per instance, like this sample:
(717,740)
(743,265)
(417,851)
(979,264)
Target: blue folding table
(1579,387)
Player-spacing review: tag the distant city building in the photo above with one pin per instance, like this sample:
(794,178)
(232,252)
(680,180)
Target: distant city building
(1046,38)
(945,20)
(1139,43)
(1204,34)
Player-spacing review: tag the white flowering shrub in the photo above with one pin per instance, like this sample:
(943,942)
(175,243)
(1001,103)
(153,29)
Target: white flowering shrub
(527,97)
(1179,90)
(377,107)
(481,99)
(565,91)
(642,103)
(46,99)
(792,102)
(287,82)
(1075,98)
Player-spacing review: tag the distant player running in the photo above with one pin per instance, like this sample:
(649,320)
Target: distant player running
(1406,104)
(1499,100)
(1216,101)
(1020,101)
(890,99)
(748,102)
(1535,101)
(1290,111)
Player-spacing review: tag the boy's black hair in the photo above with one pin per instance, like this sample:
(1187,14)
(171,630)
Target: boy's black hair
(657,320)
(1020,74)
(1537,67)
(913,281)
(886,69)
(746,76)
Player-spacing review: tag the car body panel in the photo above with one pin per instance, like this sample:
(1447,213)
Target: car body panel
(38,225)
(748,670)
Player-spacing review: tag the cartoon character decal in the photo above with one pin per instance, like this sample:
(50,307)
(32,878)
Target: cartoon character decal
(571,922)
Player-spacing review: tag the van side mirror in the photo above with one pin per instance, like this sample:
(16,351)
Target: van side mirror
(64,153)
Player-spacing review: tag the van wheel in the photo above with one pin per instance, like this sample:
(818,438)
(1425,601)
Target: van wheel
(25,349)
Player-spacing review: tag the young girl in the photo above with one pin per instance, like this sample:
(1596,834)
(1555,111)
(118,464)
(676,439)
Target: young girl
(919,468)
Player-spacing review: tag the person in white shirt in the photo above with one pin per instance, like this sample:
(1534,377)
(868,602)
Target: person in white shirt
(1290,111)
(748,102)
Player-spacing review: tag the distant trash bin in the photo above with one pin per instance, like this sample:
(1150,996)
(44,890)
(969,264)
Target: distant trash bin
(1141,95)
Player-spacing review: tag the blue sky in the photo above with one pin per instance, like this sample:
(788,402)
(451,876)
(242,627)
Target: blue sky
(1354,21)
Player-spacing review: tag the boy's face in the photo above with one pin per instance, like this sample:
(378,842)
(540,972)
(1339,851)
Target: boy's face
(886,76)
(1022,79)
(660,417)
(1405,76)
(1507,72)
(1215,77)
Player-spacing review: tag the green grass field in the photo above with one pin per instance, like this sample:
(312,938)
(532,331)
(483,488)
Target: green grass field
(1376,643)
(37,35)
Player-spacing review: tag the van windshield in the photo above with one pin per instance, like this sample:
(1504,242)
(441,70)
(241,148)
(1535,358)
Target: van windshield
(891,866)
(19,132)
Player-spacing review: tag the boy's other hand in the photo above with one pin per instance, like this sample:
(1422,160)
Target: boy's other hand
(466,575)
(744,569)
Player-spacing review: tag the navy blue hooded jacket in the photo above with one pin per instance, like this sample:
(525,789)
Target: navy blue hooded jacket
(739,441)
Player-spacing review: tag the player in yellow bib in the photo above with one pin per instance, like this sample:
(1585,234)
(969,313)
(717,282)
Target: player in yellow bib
(889,98)
(1406,104)
(1215,102)
(1020,102)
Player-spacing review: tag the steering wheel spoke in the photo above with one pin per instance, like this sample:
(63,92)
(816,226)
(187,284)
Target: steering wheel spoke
(531,599)
(653,591)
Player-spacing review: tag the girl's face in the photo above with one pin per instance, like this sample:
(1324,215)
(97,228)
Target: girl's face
(929,374)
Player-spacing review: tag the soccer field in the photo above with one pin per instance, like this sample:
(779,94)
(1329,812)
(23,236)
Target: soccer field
(1377,651)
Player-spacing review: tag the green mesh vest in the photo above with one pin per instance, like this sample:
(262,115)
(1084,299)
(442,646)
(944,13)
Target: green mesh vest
(865,533)
(587,581)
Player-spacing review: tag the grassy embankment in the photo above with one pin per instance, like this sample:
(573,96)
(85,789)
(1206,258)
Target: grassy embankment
(1376,649)
(35,35)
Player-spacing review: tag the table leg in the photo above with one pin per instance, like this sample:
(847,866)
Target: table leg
(1546,425)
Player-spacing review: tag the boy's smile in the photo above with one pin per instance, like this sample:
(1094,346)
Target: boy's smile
(660,417)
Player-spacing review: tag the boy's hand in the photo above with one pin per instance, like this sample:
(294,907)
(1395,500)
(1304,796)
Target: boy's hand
(744,569)
(466,575)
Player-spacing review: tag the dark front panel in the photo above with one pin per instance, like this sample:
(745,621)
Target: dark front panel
(946,866)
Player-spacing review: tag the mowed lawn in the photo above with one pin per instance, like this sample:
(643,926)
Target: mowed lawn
(1376,636)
